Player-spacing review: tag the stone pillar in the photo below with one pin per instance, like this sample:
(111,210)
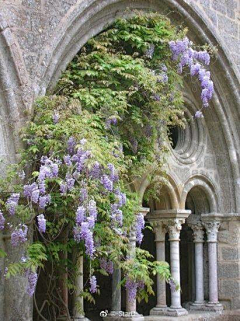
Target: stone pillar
(160,232)
(174,229)
(212,230)
(116,296)
(198,239)
(131,306)
(78,304)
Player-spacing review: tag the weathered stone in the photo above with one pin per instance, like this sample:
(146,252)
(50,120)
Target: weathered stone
(229,288)
(230,254)
(38,38)
(228,270)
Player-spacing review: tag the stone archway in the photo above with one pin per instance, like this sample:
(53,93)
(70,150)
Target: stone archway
(197,201)
(86,18)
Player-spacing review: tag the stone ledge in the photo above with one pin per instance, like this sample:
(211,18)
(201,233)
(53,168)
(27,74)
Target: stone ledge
(199,316)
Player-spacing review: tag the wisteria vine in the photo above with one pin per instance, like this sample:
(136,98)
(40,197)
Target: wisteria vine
(87,143)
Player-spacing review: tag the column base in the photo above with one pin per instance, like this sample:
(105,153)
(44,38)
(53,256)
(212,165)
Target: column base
(176,312)
(197,306)
(159,310)
(216,307)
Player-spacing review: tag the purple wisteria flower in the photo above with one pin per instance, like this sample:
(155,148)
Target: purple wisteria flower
(113,173)
(106,265)
(35,195)
(42,188)
(71,145)
(55,117)
(19,235)
(87,235)
(63,188)
(119,217)
(203,56)
(95,171)
(118,196)
(198,114)
(70,182)
(83,194)
(2,220)
(67,160)
(28,189)
(12,203)
(111,121)
(182,51)
(80,215)
(172,285)
(92,209)
(131,287)
(48,169)
(107,183)
(44,200)
(41,223)
(140,223)
(89,244)
(32,282)
(93,284)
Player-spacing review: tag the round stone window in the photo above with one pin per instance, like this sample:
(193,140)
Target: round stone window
(187,143)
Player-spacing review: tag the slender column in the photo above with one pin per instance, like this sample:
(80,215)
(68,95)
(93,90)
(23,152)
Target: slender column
(116,295)
(212,230)
(174,229)
(131,305)
(160,232)
(198,239)
(78,306)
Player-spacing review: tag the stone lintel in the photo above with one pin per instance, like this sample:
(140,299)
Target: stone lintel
(212,217)
(159,215)
(144,211)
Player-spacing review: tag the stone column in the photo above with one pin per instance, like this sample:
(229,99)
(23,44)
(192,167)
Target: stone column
(116,296)
(160,232)
(212,230)
(198,239)
(78,304)
(131,306)
(174,229)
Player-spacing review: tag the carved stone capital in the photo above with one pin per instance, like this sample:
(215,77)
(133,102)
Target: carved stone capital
(174,228)
(195,223)
(212,230)
(198,234)
(160,230)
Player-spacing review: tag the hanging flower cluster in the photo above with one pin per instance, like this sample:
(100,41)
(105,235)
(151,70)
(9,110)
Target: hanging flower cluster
(132,287)
(32,282)
(106,265)
(140,223)
(76,174)
(183,52)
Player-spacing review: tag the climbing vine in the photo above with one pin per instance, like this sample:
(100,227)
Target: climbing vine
(105,125)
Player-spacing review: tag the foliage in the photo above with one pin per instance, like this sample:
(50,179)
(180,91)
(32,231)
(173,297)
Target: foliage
(105,124)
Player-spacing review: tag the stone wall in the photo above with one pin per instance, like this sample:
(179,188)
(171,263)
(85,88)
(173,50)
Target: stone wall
(38,38)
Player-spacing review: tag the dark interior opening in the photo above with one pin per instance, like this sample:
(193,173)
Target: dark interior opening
(173,136)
